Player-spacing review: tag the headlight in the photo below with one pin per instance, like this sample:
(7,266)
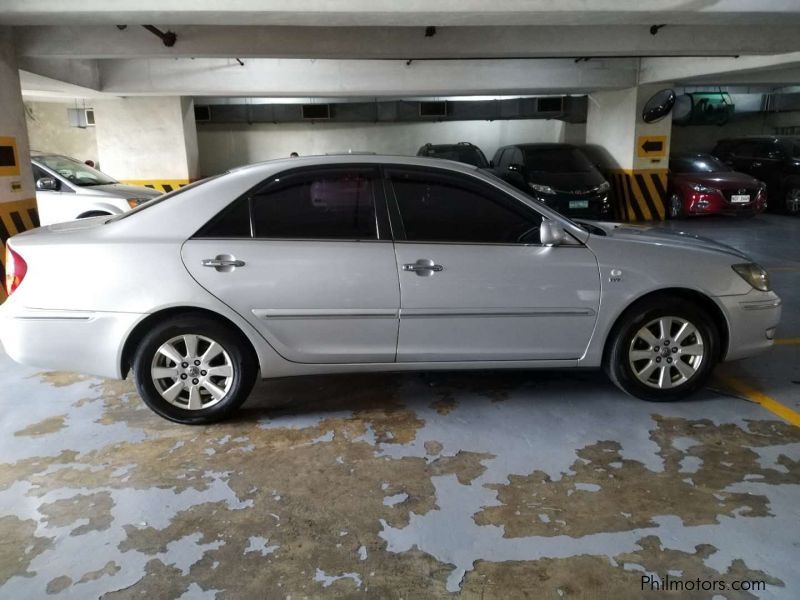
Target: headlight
(753,274)
(134,202)
(701,188)
(542,189)
(604,187)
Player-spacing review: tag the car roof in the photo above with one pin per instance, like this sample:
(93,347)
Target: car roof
(345,158)
(541,145)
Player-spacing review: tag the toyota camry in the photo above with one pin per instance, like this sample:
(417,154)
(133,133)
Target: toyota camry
(367,263)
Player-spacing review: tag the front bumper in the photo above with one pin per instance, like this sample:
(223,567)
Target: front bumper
(79,341)
(752,320)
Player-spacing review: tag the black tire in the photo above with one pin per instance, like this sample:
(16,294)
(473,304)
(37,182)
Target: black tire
(791,199)
(675,208)
(617,363)
(239,355)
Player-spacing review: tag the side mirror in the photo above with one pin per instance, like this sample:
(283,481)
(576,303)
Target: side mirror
(516,168)
(550,233)
(47,184)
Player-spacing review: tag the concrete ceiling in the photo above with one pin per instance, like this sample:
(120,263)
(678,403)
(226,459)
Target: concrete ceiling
(394,13)
(378,48)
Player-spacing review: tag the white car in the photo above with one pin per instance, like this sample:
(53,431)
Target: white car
(67,189)
(371,263)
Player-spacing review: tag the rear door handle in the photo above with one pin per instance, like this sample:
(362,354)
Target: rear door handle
(224,263)
(424,267)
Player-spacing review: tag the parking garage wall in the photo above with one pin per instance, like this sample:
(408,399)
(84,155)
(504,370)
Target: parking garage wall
(223,146)
(49,131)
(703,138)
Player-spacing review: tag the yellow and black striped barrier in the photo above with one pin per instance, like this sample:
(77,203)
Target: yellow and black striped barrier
(640,195)
(162,185)
(15,217)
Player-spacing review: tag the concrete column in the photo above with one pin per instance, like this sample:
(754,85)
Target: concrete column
(148,141)
(17,195)
(637,152)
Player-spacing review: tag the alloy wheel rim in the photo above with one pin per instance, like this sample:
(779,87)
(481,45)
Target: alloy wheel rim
(675,205)
(666,352)
(793,200)
(192,372)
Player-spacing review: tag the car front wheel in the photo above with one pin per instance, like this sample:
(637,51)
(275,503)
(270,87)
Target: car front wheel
(193,370)
(662,350)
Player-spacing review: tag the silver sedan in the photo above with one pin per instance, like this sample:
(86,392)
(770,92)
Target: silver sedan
(371,263)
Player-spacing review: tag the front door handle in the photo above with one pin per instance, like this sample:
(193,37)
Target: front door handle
(756,164)
(424,267)
(224,263)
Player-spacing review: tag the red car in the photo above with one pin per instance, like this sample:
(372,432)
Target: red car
(700,184)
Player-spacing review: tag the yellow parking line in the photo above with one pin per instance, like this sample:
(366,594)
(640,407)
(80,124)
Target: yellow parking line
(787,342)
(750,393)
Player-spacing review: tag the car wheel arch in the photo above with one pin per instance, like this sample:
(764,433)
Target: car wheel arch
(139,331)
(702,300)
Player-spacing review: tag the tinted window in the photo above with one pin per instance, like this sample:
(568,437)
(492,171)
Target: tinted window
(697,164)
(557,160)
(38,173)
(796,150)
(444,208)
(319,204)
(233,222)
(505,158)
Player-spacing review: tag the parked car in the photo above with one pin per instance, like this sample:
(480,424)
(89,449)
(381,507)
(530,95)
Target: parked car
(68,189)
(773,159)
(439,266)
(700,184)
(463,152)
(560,175)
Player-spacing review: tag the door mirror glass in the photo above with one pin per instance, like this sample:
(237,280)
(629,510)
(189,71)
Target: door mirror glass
(47,184)
(551,233)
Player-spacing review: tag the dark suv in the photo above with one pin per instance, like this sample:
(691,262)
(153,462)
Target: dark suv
(773,159)
(461,152)
(560,175)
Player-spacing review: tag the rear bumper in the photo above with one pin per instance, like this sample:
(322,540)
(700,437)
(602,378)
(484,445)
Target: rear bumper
(752,320)
(80,341)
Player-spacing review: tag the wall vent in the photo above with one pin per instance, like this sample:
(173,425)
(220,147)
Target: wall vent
(316,112)
(433,109)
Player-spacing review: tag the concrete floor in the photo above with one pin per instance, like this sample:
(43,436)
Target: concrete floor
(476,485)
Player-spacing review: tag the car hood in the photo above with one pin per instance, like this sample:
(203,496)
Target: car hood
(657,235)
(120,190)
(567,182)
(723,179)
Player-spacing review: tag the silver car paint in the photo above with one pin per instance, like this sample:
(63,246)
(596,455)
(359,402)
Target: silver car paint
(65,315)
(72,200)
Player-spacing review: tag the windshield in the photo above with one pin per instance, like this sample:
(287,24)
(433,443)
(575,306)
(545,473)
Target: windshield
(557,160)
(74,171)
(465,154)
(704,163)
(161,199)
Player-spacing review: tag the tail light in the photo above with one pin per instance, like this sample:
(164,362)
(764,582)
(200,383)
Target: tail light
(16,268)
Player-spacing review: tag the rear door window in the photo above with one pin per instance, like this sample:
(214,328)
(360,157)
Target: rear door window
(328,204)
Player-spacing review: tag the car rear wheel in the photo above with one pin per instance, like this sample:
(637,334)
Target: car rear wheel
(662,350)
(194,370)
(675,206)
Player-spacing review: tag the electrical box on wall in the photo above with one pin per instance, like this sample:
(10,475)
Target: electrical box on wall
(80,117)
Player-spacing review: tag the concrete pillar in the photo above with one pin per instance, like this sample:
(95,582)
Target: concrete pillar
(637,152)
(148,141)
(17,194)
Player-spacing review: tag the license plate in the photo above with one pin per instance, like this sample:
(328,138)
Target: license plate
(740,198)
(580,203)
